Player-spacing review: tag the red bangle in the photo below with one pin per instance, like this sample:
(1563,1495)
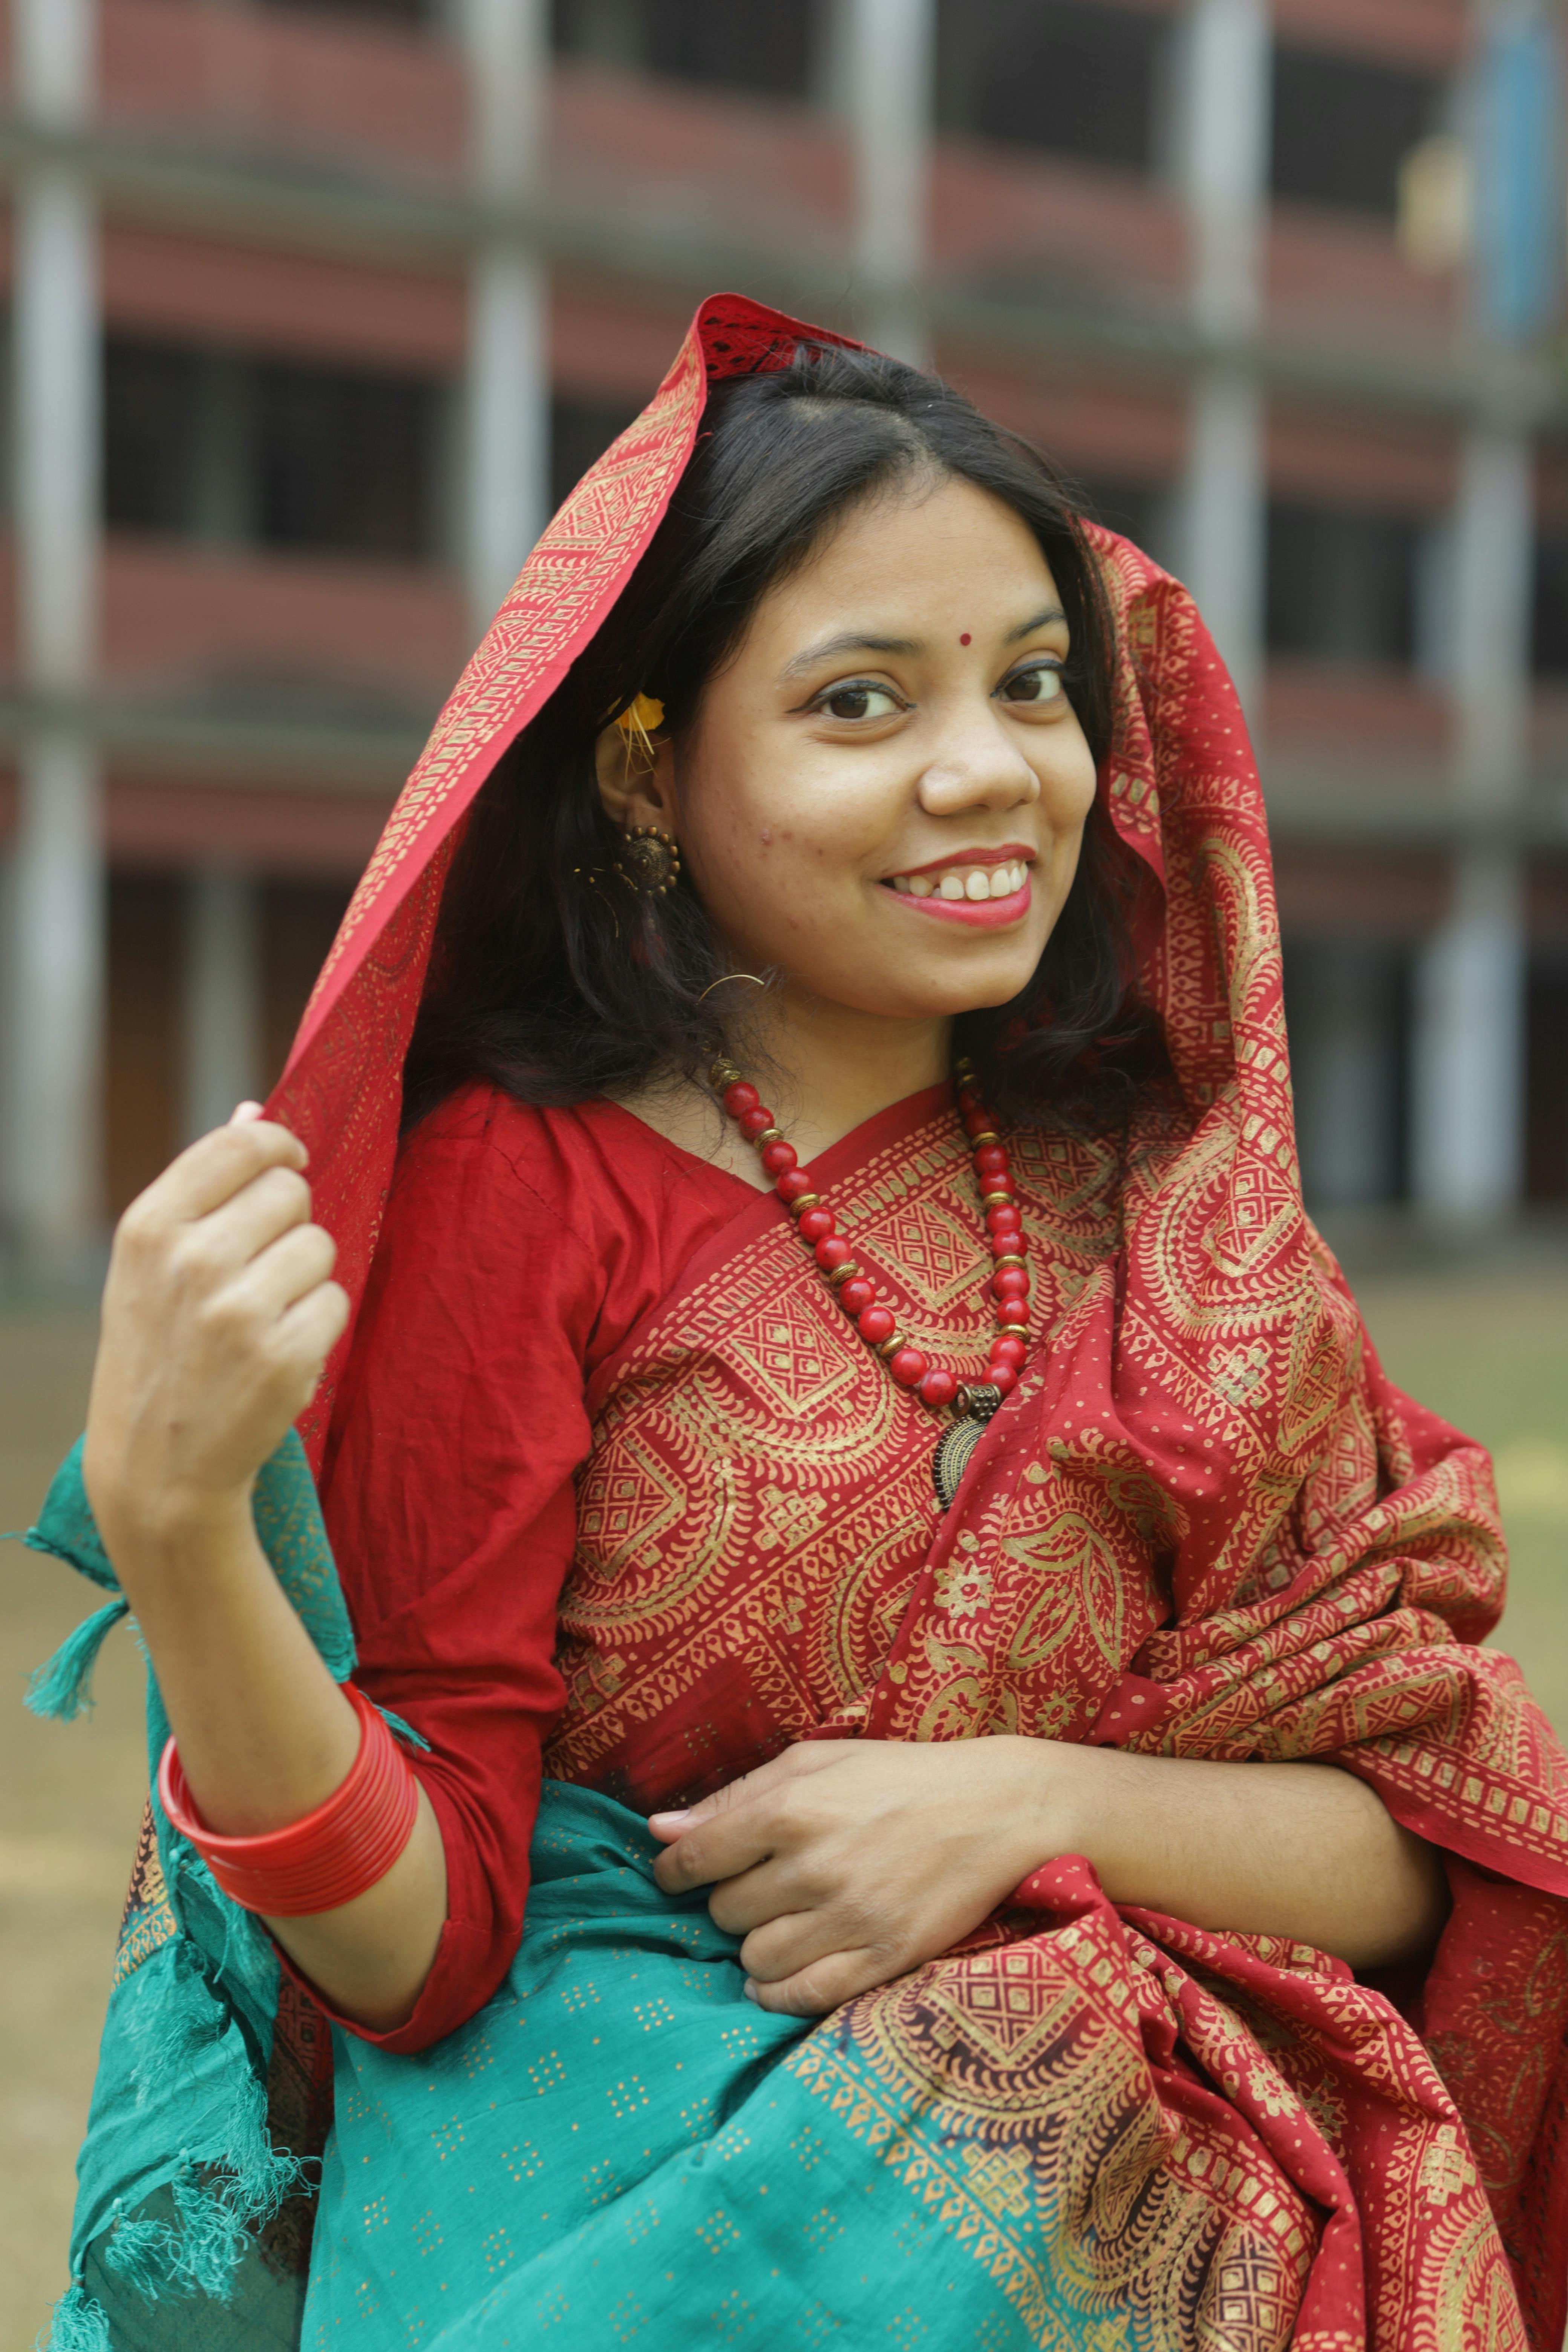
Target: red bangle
(332,1854)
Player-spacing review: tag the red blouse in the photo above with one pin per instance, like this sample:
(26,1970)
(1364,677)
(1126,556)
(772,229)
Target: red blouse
(517,1250)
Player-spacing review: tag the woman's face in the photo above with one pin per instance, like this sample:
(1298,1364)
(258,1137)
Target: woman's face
(884,792)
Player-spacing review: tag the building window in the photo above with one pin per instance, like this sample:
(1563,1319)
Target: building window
(152,403)
(1341,584)
(1550,632)
(1343,125)
(217,447)
(763,46)
(344,461)
(417,12)
(579,433)
(1073,77)
(1546,1058)
(1348,1013)
(1137,510)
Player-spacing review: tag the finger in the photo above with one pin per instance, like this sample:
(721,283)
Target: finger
(717,1849)
(781,1944)
(211,1171)
(774,1889)
(805,1756)
(244,1112)
(312,1330)
(286,1271)
(825,1985)
(676,1822)
(273,1203)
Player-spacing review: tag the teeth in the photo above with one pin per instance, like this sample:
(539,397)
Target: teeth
(979,882)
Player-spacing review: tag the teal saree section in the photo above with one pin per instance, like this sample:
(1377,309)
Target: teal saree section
(620,2147)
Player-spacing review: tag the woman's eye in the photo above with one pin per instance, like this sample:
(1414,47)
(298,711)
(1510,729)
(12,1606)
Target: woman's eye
(852,702)
(1043,683)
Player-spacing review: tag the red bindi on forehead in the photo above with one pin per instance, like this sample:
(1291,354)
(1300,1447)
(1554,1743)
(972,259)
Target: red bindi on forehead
(963,640)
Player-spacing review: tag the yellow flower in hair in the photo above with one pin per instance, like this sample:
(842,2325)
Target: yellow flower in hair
(641,716)
(636,722)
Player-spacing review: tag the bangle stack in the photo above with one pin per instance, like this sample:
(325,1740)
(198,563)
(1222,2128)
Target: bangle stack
(329,1856)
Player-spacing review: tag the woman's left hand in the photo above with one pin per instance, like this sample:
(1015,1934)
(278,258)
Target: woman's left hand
(844,1863)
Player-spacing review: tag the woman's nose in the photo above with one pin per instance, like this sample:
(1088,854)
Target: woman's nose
(976,765)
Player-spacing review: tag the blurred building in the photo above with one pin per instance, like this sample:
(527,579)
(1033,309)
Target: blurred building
(316,306)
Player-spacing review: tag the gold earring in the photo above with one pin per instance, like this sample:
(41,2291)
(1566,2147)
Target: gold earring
(641,715)
(650,861)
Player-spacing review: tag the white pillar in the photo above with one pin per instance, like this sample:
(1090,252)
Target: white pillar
(1466,1144)
(1221,153)
(222,994)
(1467,1107)
(52,1144)
(54,1003)
(506,460)
(888,50)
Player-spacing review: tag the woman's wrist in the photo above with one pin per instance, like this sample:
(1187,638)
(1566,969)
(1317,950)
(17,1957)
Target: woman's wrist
(1047,1799)
(167,1536)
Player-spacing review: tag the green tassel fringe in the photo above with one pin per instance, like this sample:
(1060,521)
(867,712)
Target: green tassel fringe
(80,2324)
(61,1686)
(143,2253)
(212,2240)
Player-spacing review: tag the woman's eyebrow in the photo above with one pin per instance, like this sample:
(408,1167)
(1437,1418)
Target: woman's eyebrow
(850,642)
(1040,620)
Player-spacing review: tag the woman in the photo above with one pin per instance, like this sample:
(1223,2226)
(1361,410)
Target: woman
(703,1482)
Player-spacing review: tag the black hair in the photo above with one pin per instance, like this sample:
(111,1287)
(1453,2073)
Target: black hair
(552,980)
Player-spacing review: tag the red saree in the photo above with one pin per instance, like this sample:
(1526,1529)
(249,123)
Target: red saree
(1204,1524)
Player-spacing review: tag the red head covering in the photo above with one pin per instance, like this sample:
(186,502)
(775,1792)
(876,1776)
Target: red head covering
(342,1090)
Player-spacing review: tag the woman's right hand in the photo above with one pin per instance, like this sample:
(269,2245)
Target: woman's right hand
(218,1315)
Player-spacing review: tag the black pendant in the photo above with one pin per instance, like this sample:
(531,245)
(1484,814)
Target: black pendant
(959,1440)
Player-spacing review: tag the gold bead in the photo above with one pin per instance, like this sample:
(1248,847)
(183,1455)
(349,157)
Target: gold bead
(842,1272)
(1012,1330)
(998,1201)
(1011,1258)
(806,1200)
(889,1347)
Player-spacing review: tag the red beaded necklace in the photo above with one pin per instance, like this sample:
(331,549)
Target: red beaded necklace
(972,1402)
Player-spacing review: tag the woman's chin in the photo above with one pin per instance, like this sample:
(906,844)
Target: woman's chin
(943,997)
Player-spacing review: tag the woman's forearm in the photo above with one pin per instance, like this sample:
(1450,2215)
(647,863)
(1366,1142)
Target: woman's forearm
(1301,1851)
(265,1735)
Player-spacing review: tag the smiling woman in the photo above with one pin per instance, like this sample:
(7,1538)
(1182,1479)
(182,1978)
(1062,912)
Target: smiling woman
(958,1788)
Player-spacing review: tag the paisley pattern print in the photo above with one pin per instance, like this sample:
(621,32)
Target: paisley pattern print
(758,1509)
(1121,2115)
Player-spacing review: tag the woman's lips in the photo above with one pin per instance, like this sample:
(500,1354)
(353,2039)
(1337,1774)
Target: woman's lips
(980,914)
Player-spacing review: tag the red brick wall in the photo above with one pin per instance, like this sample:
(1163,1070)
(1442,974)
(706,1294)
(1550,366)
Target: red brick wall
(336,87)
(274,298)
(175,614)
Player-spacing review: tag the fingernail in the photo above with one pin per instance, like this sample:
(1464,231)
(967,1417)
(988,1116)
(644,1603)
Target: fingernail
(750,1989)
(243,1112)
(681,1814)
